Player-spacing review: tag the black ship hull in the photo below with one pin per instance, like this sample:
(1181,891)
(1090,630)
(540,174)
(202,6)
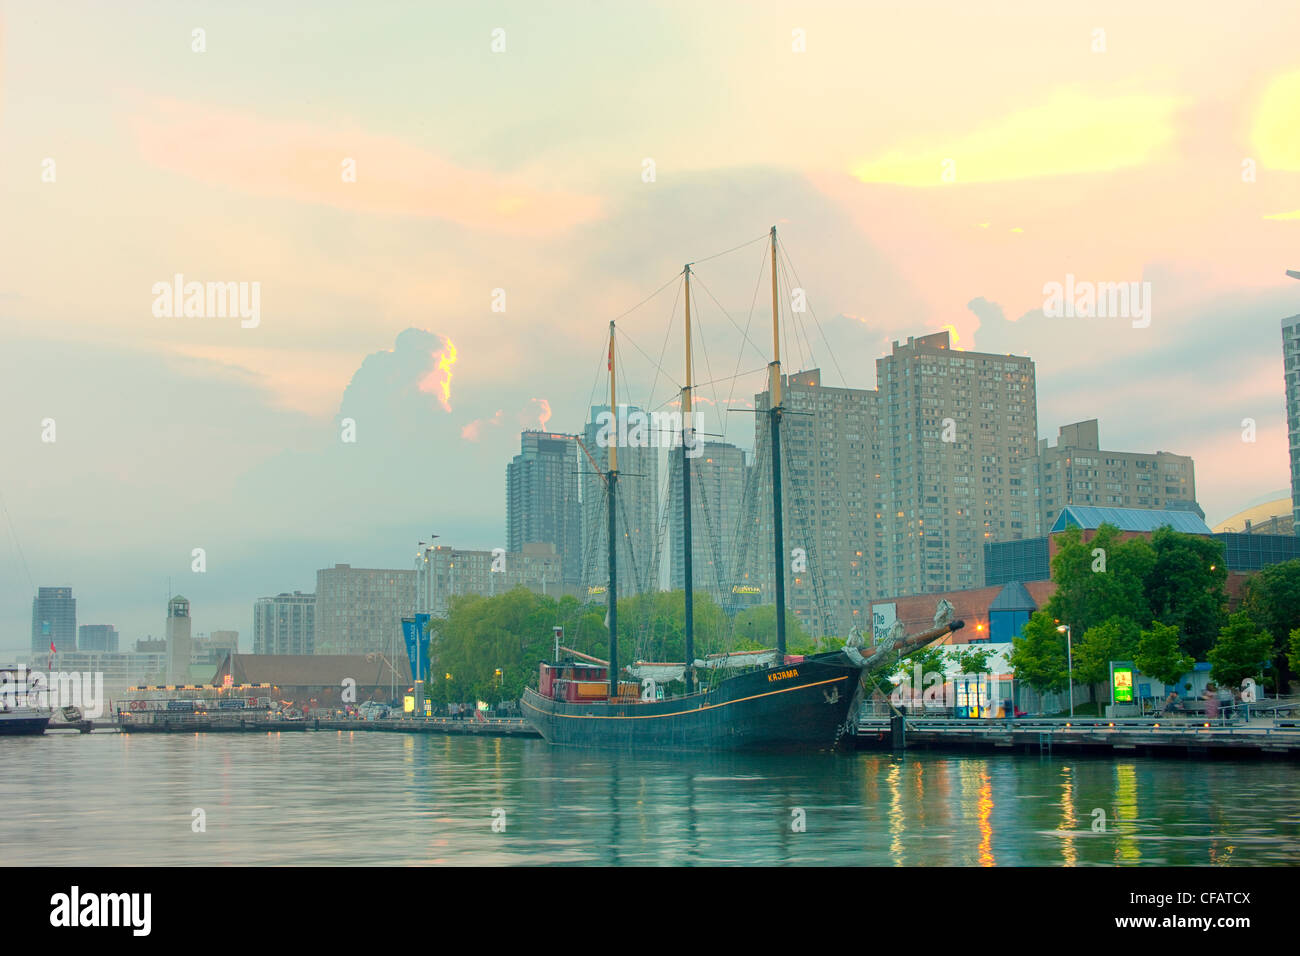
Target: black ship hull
(22,724)
(800,706)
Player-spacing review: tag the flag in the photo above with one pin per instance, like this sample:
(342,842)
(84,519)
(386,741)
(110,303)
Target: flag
(610,364)
(49,665)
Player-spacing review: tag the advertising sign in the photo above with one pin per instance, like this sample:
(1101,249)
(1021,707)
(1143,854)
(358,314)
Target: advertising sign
(416,637)
(1122,684)
(883,617)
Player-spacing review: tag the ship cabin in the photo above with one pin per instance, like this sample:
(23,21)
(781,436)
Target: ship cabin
(576,681)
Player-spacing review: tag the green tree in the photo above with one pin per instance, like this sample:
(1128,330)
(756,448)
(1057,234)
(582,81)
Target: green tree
(1160,655)
(755,628)
(1185,588)
(973,660)
(1273,600)
(1038,655)
(1100,579)
(1295,649)
(1240,651)
(931,659)
(1113,640)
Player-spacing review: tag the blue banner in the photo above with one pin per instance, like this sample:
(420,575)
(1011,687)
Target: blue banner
(416,635)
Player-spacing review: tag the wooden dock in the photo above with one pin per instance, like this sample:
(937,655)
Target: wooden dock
(224,723)
(1263,737)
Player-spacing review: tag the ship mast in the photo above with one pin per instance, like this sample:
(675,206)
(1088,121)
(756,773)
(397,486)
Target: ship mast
(612,483)
(688,580)
(774,414)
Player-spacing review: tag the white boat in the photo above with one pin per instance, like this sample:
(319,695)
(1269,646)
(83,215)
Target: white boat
(19,687)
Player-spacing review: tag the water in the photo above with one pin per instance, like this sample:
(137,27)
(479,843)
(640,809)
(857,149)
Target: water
(378,798)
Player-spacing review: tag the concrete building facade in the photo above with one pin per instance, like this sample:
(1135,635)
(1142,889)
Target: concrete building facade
(831,493)
(54,620)
(1077,471)
(360,610)
(285,624)
(718,481)
(1291,370)
(97,637)
(958,434)
(542,502)
(447,571)
(179,645)
(638,497)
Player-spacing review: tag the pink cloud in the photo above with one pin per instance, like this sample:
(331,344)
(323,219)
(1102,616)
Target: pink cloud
(306,162)
(471,431)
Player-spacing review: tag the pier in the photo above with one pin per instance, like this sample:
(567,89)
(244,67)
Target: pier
(1268,737)
(168,723)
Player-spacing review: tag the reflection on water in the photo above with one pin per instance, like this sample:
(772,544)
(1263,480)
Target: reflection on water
(365,798)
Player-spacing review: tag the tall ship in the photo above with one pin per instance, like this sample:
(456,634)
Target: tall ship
(21,696)
(774,700)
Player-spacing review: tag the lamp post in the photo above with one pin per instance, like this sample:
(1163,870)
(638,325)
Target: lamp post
(1069,650)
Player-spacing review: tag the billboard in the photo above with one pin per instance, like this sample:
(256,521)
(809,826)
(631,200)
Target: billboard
(883,617)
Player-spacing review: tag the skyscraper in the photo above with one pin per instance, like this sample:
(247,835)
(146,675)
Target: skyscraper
(54,620)
(718,477)
(638,503)
(959,433)
(285,624)
(831,490)
(542,499)
(1291,360)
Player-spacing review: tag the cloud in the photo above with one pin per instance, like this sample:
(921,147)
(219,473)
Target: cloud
(1276,129)
(1071,133)
(471,431)
(304,162)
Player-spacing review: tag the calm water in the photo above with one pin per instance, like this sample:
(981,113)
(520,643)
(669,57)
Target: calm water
(373,798)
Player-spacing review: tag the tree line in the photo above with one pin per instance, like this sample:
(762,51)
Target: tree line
(1162,603)
(488,648)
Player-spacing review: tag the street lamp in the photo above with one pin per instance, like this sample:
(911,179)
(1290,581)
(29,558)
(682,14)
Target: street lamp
(1069,650)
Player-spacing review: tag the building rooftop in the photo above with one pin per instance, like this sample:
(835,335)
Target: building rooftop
(1128,519)
(1013,597)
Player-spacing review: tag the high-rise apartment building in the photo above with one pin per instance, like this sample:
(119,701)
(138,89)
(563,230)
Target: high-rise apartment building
(96,637)
(638,499)
(285,624)
(958,435)
(831,494)
(444,571)
(54,620)
(1291,368)
(360,610)
(718,481)
(1077,471)
(542,499)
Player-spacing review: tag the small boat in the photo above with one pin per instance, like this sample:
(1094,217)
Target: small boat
(776,701)
(19,687)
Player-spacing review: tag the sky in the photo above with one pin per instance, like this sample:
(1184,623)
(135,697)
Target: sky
(442,207)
